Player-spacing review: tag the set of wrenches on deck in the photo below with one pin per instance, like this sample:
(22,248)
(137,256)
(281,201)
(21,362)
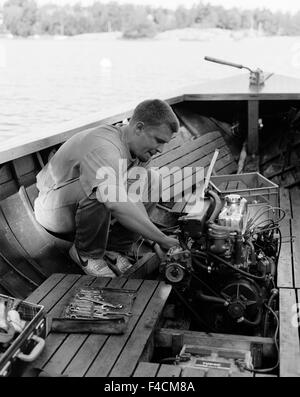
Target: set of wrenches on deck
(90,304)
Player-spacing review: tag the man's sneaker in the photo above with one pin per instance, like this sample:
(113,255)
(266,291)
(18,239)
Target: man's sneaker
(92,267)
(119,263)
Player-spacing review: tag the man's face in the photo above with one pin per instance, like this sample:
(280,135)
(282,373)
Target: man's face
(150,140)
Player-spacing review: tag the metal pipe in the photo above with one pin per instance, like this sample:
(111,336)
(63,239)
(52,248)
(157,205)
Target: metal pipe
(222,62)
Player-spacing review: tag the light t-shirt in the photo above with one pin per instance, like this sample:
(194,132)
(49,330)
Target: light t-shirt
(86,157)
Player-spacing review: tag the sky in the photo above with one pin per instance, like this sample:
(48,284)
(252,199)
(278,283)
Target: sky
(274,5)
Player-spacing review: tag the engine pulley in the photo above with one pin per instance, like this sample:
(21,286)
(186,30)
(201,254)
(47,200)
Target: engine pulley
(243,299)
(174,273)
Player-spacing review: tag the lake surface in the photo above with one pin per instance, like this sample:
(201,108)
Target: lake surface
(45,81)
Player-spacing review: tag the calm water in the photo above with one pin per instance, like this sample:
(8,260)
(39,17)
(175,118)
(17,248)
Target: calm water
(44,82)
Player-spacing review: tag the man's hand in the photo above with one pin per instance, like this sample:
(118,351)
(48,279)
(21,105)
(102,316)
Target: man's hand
(168,243)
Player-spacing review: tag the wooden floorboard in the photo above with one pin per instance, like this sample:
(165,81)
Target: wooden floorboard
(70,358)
(79,354)
(107,357)
(168,371)
(42,291)
(136,344)
(295,233)
(146,370)
(214,138)
(289,335)
(285,274)
(88,351)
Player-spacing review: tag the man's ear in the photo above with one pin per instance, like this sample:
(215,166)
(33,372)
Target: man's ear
(139,127)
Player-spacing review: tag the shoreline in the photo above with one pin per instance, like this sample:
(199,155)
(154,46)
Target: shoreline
(186,34)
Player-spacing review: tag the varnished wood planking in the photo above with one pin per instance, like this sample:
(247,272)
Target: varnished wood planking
(54,295)
(285,278)
(190,146)
(12,250)
(68,358)
(296,249)
(106,358)
(61,290)
(88,351)
(53,343)
(168,371)
(224,162)
(142,333)
(85,355)
(285,274)
(57,360)
(38,244)
(63,355)
(289,336)
(24,165)
(285,203)
(295,232)
(43,290)
(146,370)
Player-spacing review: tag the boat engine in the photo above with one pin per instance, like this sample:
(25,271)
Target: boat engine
(225,267)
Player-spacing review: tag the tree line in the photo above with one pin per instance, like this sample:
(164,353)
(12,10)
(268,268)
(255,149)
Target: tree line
(24,18)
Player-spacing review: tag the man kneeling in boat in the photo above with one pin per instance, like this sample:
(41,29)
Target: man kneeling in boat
(82,189)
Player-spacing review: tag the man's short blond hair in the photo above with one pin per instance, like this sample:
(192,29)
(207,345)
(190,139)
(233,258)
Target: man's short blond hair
(155,112)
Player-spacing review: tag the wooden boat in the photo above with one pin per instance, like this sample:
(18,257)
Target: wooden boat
(217,115)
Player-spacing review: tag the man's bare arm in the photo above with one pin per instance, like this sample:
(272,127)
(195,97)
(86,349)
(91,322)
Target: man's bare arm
(134,218)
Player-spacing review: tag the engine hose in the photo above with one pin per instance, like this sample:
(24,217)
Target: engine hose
(272,297)
(211,299)
(199,265)
(255,322)
(216,257)
(218,206)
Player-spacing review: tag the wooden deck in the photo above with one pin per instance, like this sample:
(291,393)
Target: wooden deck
(95,355)
(289,284)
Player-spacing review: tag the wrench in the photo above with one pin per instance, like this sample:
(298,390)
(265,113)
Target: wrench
(90,292)
(85,316)
(129,314)
(99,301)
(97,310)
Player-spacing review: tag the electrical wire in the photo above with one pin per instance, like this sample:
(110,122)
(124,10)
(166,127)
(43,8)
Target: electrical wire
(252,223)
